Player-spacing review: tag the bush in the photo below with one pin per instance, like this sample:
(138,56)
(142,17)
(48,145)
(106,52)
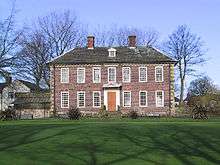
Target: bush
(103,114)
(8,114)
(202,106)
(74,114)
(133,114)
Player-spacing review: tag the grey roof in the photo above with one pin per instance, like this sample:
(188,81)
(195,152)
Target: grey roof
(32,101)
(100,55)
(33,87)
(2,86)
(24,98)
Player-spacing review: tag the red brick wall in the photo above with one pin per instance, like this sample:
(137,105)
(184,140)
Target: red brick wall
(134,86)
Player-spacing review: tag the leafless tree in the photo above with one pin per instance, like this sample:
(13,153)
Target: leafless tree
(9,37)
(31,60)
(187,48)
(52,36)
(62,31)
(201,86)
(118,36)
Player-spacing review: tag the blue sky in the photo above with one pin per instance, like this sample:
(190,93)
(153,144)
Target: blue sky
(203,17)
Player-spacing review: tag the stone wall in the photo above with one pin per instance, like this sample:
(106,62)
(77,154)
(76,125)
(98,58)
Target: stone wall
(37,113)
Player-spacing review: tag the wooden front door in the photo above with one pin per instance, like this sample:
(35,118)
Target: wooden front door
(111,101)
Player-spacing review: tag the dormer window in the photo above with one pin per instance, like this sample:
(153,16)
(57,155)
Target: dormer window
(111,52)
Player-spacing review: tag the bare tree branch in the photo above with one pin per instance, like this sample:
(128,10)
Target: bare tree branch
(187,49)
(9,37)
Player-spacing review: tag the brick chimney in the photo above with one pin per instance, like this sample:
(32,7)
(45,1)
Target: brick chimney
(90,42)
(132,41)
(8,79)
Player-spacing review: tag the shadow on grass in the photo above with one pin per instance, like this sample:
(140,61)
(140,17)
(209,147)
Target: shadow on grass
(115,143)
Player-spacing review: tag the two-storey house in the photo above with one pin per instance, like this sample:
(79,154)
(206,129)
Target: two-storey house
(127,78)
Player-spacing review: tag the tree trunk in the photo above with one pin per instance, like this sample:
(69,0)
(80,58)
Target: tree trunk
(181,91)
(38,84)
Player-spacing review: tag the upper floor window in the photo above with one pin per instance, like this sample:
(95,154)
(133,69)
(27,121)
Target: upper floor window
(159,73)
(159,98)
(64,75)
(81,99)
(143,98)
(11,95)
(126,74)
(65,99)
(142,74)
(111,52)
(96,75)
(96,99)
(80,75)
(126,98)
(112,74)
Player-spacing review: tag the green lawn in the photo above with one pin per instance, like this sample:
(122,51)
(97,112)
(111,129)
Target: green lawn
(155,141)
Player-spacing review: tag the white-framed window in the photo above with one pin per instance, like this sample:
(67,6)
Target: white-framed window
(96,99)
(126,74)
(64,75)
(159,73)
(159,98)
(80,99)
(127,98)
(80,75)
(111,52)
(142,74)
(143,98)
(96,74)
(65,99)
(111,74)
(11,95)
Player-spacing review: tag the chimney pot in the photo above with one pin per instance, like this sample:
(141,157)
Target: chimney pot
(132,41)
(90,42)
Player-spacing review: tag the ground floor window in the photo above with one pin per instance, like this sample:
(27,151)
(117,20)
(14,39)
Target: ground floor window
(143,98)
(81,99)
(159,98)
(96,99)
(126,98)
(64,99)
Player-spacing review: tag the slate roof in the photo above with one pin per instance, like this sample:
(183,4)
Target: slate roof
(31,86)
(100,55)
(2,86)
(32,100)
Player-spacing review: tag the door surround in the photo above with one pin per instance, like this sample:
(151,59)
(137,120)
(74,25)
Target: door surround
(117,99)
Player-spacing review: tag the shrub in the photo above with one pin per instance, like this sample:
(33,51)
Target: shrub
(201,106)
(103,114)
(133,114)
(8,114)
(74,114)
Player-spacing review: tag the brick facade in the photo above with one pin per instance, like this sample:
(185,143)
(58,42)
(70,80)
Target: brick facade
(134,86)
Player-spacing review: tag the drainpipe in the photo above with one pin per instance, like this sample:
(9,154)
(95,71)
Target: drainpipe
(1,100)
(54,99)
(169,92)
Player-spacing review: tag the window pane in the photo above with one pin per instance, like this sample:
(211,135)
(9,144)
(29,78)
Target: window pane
(127,98)
(143,74)
(81,75)
(126,74)
(112,74)
(81,99)
(96,75)
(159,74)
(112,53)
(159,98)
(96,99)
(64,75)
(143,100)
(64,99)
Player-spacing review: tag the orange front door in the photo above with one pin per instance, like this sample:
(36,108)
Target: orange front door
(111,101)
